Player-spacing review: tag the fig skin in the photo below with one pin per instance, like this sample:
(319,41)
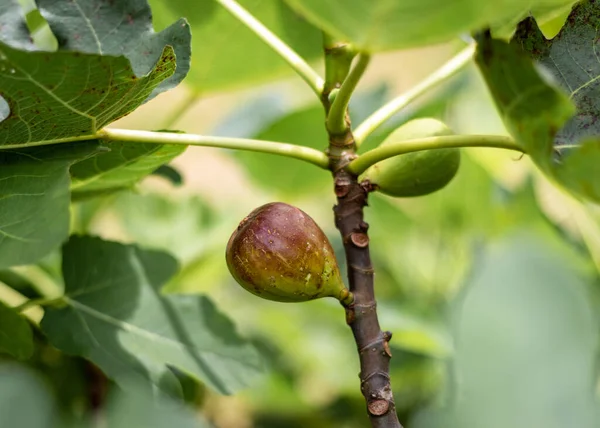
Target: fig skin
(416,173)
(279,253)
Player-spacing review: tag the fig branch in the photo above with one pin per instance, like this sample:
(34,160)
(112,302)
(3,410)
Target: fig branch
(361,314)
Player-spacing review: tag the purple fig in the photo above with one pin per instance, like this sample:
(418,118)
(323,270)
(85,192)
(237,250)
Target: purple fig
(279,253)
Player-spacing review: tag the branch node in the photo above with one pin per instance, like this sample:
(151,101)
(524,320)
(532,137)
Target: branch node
(382,374)
(366,271)
(378,407)
(373,346)
(359,239)
(367,186)
(341,189)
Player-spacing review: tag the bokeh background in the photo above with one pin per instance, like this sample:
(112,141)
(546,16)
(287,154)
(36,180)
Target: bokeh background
(489,286)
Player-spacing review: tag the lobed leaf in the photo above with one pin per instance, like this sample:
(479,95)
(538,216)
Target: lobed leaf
(114,315)
(558,127)
(117,28)
(54,96)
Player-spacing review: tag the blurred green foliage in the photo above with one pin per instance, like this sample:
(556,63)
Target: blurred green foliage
(489,287)
(490,299)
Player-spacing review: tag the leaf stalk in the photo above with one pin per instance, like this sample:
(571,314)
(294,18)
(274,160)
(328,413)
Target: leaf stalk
(439,76)
(306,154)
(364,161)
(299,65)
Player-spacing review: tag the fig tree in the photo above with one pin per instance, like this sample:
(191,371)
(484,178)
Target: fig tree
(415,173)
(279,253)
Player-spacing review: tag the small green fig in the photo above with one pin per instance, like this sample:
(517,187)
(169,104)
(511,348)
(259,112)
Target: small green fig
(415,173)
(279,253)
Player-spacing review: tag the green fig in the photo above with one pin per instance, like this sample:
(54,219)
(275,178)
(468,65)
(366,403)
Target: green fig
(415,173)
(279,253)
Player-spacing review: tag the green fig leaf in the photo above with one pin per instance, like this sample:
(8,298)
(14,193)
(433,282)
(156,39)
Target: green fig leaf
(119,28)
(557,127)
(114,314)
(100,90)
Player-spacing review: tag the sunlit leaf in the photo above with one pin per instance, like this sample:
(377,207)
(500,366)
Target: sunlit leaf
(121,27)
(115,315)
(60,95)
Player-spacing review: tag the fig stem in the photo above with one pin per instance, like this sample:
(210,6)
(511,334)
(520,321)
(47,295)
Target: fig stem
(338,61)
(346,298)
(295,61)
(361,313)
(364,161)
(307,154)
(442,74)
(337,122)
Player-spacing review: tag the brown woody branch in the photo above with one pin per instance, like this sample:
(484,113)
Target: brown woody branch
(361,315)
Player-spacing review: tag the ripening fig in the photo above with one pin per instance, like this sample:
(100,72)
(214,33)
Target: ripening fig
(415,173)
(279,253)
